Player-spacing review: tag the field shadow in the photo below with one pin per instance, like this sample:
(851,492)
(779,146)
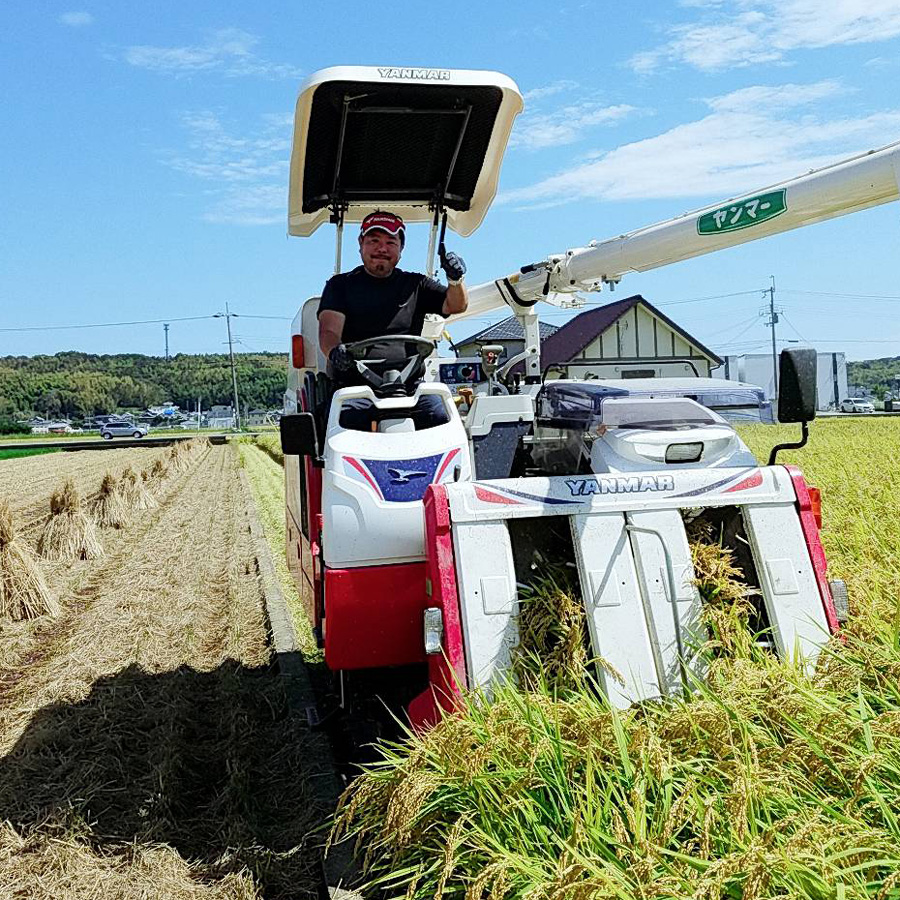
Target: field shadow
(213,764)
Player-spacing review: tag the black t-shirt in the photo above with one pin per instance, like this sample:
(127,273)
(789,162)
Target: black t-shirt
(374,306)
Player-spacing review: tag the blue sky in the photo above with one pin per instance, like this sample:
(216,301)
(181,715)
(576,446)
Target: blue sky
(144,151)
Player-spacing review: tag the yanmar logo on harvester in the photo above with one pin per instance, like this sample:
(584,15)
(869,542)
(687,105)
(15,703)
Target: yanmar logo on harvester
(410,542)
(622,484)
(415,74)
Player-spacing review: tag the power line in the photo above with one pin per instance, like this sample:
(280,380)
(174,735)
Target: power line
(711,297)
(734,339)
(793,328)
(745,347)
(854,341)
(735,325)
(135,322)
(279,318)
(890,297)
(104,324)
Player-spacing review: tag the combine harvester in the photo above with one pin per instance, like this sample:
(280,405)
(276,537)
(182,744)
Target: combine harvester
(408,545)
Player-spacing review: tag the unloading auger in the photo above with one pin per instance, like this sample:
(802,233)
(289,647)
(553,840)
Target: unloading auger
(408,545)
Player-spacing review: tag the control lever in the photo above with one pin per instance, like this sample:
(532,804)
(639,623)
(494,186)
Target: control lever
(490,361)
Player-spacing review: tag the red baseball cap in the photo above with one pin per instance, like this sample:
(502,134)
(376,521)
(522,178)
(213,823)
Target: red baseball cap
(386,222)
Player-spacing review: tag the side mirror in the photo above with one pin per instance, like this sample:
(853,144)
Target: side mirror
(298,435)
(797,385)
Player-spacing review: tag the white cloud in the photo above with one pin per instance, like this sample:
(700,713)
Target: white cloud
(881,62)
(750,32)
(228,50)
(750,138)
(777,97)
(76,19)
(551,125)
(260,204)
(548,90)
(535,131)
(246,176)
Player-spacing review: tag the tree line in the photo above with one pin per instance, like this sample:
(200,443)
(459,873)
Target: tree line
(878,375)
(77,385)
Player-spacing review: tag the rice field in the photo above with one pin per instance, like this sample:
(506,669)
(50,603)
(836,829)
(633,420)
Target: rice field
(17,453)
(766,782)
(147,748)
(266,478)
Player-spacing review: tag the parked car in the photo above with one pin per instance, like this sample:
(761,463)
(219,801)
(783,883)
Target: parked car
(857,405)
(122,429)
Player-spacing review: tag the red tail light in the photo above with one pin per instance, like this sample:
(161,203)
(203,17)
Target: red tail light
(297,356)
(815,501)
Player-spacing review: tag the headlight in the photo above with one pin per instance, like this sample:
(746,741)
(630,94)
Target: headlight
(684,453)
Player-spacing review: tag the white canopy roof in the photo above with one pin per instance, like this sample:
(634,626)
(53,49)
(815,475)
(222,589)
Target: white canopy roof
(402,139)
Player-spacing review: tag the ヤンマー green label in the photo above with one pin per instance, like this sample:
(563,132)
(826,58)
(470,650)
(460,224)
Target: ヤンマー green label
(743,213)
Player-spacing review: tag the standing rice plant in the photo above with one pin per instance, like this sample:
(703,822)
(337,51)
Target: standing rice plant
(24,593)
(109,507)
(765,785)
(727,605)
(552,632)
(768,781)
(68,533)
(134,491)
(271,444)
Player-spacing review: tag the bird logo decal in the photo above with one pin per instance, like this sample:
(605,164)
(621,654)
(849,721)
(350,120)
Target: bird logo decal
(402,476)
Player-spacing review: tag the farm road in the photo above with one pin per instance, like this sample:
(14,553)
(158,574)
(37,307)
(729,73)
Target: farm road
(146,746)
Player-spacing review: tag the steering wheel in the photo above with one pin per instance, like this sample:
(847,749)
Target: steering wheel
(391,374)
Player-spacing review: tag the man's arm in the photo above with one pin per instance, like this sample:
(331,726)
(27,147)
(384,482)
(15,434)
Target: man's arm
(456,300)
(331,329)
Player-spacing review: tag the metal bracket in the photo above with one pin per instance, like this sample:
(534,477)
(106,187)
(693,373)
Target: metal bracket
(673,600)
(796,445)
(337,218)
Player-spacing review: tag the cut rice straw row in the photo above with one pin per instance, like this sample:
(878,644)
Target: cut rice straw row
(24,593)
(69,532)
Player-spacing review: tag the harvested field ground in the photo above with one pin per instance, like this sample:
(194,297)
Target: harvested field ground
(28,482)
(146,745)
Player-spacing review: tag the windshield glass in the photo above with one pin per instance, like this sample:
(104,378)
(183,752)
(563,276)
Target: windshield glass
(668,414)
(582,405)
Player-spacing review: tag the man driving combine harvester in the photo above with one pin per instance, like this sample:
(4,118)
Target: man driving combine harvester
(376,299)
(410,545)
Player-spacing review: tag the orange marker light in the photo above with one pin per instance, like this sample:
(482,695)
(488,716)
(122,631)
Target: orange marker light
(297,356)
(815,501)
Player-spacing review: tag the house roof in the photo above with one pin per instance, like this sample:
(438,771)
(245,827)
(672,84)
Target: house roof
(508,329)
(570,339)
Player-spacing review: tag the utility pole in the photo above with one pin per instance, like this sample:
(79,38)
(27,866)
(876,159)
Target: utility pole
(166,330)
(773,321)
(237,410)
